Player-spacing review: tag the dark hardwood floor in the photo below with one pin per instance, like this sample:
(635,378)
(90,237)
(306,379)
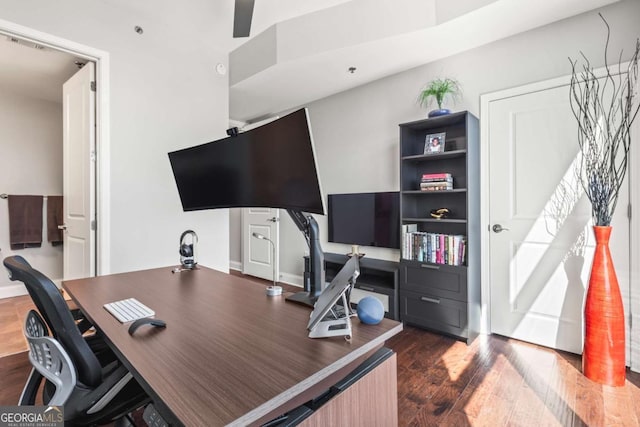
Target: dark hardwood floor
(494,381)
(14,371)
(12,315)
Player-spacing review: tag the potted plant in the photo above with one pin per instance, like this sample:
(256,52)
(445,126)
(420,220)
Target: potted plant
(438,90)
(603,105)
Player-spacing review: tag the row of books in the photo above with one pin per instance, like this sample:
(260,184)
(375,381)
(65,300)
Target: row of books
(434,247)
(436,182)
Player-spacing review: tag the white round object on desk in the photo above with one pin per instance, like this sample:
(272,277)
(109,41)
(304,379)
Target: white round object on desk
(274,291)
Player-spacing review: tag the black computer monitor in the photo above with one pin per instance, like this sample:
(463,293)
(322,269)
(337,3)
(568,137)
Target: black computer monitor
(271,166)
(367,219)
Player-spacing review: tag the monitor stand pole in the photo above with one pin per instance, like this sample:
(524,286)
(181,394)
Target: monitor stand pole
(302,298)
(314,281)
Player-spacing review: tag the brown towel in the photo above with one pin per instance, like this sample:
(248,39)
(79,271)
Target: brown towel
(25,221)
(54,218)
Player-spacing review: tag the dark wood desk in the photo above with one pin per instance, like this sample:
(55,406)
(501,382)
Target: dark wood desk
(229,354)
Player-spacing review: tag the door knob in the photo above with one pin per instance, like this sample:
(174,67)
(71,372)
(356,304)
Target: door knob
(497,228)
(274,219)
(62,227)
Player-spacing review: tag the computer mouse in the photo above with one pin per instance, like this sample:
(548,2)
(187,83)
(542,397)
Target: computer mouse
(146,321)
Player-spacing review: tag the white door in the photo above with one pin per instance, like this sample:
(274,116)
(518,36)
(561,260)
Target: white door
(257,254)
(540,263)
(79,174)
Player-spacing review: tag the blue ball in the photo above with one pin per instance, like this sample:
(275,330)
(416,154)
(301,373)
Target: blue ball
(370,310)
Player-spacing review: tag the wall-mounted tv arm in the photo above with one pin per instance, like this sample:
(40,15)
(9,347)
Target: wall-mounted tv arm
(314,281)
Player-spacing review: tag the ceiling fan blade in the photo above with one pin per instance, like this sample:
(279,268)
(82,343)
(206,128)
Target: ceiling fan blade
(242,18)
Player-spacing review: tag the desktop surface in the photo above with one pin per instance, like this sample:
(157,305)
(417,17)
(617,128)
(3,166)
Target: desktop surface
(229,354)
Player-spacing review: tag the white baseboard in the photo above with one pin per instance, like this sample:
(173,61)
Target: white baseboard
(19,289)
(235,265)
(291,279)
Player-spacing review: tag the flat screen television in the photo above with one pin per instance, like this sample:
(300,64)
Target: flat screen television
(367,219)
(270,166)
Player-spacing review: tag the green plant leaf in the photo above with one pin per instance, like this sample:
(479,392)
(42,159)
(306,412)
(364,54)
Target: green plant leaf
(439,89)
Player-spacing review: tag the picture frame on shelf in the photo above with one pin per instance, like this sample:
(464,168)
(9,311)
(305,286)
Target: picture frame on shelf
(434,143)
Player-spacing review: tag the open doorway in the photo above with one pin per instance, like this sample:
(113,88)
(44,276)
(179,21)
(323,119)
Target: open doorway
(32,112)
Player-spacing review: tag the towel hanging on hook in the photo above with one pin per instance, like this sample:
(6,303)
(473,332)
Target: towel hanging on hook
(25,221)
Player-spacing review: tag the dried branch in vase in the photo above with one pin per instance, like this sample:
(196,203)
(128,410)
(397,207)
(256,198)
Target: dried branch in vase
(603,106)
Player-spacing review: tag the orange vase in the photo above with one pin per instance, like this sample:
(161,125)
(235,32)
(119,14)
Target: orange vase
(603,357)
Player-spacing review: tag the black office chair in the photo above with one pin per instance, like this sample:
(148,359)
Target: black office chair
(100,394)
(95,341)
(49,359)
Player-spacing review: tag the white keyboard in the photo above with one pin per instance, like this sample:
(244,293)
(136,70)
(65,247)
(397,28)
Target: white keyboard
(128,310)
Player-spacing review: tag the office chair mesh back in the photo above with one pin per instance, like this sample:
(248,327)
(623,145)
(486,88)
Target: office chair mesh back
(55,311)
(49,358)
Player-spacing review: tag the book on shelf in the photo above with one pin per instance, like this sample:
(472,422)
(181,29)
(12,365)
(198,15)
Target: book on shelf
(436,186)
(436,248)
(406,230)
(436,180)
(442,175)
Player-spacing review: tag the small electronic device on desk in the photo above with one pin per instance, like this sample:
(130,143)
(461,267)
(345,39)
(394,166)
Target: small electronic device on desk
(128,310)
(326,321)
(188,250)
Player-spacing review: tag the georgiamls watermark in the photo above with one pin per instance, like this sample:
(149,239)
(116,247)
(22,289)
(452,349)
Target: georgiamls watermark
(31,416)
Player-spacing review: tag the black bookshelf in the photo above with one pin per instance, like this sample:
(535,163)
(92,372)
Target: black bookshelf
(441,296)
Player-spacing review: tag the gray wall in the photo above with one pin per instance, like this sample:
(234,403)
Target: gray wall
(356,132)
(30,163)
(164,95)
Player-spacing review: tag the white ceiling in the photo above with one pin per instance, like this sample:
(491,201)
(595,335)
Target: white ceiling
(269,12)
(307,57)
(33,72)
(300,50)
(41,73)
